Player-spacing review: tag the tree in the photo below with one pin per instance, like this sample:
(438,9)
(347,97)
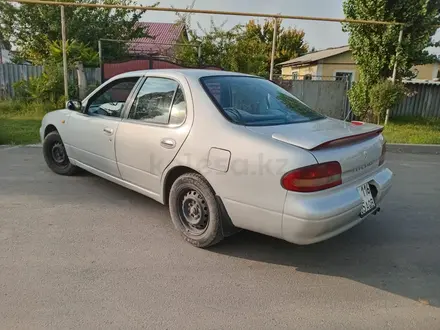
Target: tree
(374,46)
(229,49)
(244,49)
(5,8)
(290,42)
(33,27)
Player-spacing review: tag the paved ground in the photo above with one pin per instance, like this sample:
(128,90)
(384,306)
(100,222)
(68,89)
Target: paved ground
(82,253)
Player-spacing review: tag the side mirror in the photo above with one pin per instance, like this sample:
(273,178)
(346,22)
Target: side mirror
(73,105)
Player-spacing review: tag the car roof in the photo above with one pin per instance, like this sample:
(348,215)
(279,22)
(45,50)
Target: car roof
(193,73)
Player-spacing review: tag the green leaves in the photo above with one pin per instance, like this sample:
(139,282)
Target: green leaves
(32,27)
(374,48)
(385,95)
(245,48)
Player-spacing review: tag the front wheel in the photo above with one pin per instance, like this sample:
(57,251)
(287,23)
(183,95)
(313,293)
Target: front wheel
(55,155)
(194,210)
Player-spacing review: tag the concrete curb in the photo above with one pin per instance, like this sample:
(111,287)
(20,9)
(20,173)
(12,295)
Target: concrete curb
(5,147)
(429,149)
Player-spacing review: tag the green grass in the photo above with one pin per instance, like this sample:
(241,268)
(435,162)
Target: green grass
(20,121)
(19,130)
(20,124)
(413,130)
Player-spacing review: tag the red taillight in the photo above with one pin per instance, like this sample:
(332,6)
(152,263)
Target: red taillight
(313,178)
(382,156)
(357,123)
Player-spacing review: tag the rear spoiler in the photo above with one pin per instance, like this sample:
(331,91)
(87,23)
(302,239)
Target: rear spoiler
(348,140)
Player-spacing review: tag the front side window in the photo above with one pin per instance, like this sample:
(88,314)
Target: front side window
(252,101)
(154,100)
(110,100)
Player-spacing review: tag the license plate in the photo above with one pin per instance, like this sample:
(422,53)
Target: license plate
(367,198)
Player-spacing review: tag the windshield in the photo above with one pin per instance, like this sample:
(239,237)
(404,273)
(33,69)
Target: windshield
(252,101)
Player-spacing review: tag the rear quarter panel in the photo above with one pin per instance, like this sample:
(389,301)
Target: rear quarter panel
(250,188)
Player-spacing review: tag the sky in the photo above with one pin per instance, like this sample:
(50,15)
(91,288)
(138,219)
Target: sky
(318,34)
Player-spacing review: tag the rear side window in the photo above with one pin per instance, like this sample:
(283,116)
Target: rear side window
(154,100)
(178,110)
(253,101)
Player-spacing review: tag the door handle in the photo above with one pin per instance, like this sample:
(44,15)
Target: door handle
(108,130)
(168,143)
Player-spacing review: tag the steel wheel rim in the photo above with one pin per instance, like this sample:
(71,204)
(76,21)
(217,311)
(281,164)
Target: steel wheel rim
(59,155)
(193,211)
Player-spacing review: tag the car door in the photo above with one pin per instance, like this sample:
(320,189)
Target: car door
(91,133)
(153,131)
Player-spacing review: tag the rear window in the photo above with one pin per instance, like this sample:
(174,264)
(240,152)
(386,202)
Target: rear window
(252,101)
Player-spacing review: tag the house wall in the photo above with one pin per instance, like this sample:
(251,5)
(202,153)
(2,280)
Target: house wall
(345,63)
(339,63)
(302,71)
(427,71)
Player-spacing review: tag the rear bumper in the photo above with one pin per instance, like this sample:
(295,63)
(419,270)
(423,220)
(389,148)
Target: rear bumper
(311,218)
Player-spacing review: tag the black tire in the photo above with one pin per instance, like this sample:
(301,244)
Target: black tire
(189,194)
(55,155)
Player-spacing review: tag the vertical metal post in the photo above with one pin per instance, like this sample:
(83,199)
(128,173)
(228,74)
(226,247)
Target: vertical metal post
(274,43)
(393,79)
(63,37)
(199,52)
(101,69)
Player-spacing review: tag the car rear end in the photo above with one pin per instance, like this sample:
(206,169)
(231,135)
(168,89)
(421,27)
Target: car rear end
(346,179)
(347,184)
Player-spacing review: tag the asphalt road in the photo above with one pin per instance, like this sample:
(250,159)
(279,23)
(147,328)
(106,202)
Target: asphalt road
(83,253)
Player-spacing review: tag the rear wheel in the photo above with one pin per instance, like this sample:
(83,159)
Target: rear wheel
(55,155)
(194,210)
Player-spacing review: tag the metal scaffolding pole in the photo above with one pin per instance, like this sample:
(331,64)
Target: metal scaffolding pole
(101,69)
(63,36)
(274,43)
(205,11)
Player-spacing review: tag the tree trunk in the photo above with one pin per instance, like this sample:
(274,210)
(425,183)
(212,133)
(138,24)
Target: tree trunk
(82,81)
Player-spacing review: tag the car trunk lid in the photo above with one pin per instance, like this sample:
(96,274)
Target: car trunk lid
(357,147)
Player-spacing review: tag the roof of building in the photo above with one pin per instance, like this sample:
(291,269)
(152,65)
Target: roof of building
(316,56)
(161,37)
(421,82)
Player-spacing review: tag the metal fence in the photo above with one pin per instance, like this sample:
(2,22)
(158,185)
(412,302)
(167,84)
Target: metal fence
(12,73)
(325,96)
(423,101)
(330,97)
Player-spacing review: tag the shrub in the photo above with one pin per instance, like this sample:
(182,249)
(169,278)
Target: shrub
(26,109)
(385,95)
(49,87)
(371,103)
(359,100)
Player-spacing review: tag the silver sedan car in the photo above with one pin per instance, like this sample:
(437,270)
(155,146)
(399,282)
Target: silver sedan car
(225,151)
